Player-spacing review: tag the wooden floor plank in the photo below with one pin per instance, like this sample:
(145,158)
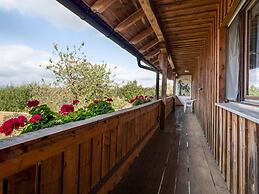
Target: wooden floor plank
(177,160)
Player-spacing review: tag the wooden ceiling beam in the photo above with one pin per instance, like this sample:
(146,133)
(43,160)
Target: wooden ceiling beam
(132,19)
(152,54)
(146,6)
(101,5)
(148,46)
(141,36)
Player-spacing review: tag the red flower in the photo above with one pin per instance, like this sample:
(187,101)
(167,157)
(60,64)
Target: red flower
(109,100)
(66,109)
(75,102)
(32,103)
(35,118)
(9,125)
(22,120)
(6,130)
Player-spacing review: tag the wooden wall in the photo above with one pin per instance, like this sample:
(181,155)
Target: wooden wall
(232,139)
(76,158)
(235,143)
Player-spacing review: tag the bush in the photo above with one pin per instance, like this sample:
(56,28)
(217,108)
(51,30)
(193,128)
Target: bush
(14,98)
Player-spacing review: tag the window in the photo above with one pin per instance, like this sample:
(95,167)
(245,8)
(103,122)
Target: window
(252,52)
(233,61)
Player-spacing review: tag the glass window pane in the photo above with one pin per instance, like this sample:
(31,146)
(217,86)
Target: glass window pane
(253,58)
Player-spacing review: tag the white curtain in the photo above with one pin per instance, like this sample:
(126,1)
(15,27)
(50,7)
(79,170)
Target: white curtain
(233,61)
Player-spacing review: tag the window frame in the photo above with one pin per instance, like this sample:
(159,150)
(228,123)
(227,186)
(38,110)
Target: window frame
(246,44)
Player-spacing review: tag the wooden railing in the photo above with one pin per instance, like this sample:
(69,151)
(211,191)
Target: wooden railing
(235,146)
(170,105)
(82,157)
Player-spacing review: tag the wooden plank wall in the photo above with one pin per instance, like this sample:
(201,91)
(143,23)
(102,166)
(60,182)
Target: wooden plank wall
(233,140)
(86,158)
(238,157)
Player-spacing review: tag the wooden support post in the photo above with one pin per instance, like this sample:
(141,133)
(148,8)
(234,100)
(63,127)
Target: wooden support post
(174,87)
(163,65)
(221,74)
(157,86)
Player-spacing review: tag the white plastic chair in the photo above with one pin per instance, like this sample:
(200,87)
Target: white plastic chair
(188,104)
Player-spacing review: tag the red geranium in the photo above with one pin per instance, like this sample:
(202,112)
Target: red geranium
(22,120)
(66,109)
(75,102)
(109,100)
(9,125)
(35,118)
(32,103)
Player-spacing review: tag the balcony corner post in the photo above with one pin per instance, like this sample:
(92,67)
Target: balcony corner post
(163,65)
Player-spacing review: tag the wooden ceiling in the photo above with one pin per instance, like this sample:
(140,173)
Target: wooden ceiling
(179,27)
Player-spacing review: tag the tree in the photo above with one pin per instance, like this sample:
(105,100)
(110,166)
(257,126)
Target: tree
(82,78)
(131,89)
(253,91)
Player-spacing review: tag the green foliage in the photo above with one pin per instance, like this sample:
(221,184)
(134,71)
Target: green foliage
(82,78)
(51,118)
(100,107)
(14,98)
(78,115)
(54,96)
(253,91)
(131,89)
(47,120)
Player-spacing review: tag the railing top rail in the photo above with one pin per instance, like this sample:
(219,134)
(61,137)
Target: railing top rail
(169,97)
(65,128)
(246,111)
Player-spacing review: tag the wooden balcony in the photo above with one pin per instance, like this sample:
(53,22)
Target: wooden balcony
(124,152)
(80,157)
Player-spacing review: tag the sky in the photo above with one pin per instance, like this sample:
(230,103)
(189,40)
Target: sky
(28,30)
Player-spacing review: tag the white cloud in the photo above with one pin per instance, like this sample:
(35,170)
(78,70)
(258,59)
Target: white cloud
(49,10)
(124,74)
(21,64)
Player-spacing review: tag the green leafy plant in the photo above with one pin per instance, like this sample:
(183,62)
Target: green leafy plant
(138,100)
(43,117)
(100,107)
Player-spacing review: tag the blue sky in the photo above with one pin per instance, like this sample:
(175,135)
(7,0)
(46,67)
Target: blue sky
(28,30)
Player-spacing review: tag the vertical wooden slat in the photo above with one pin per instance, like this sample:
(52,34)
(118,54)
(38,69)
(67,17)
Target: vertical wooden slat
(221,139)
(96,159)
(1,187)
(224,134)
(24,182)
(235,145)
(51,175)
(251,157)
(229,151)
(106,153)
(113,147)
(70,170)
(217,137)
(119,140)
(85,167)
(243,156)
(124,138)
